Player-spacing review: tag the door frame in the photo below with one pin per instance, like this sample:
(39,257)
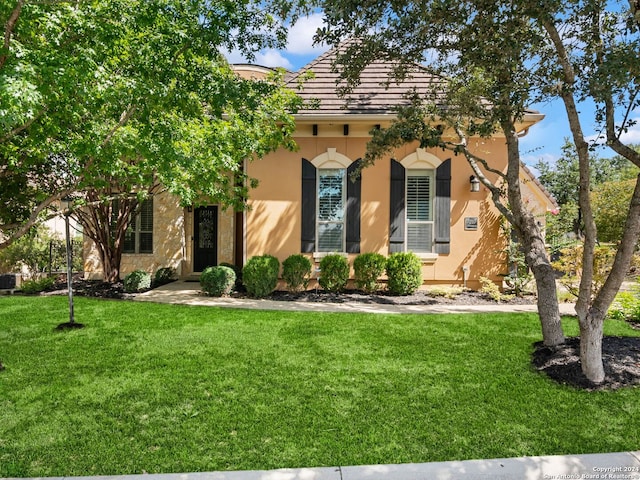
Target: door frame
(197,261)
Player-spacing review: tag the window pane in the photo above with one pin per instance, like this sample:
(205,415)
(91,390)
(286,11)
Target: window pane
(419,198)
(330,195)
(129,241)
(330,237)
(146,243)
(146,216)
(420,237)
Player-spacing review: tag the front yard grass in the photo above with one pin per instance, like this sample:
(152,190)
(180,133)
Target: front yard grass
(165,388)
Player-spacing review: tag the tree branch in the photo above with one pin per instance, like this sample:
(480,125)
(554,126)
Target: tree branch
(23,127)
(124,118)
(8,30)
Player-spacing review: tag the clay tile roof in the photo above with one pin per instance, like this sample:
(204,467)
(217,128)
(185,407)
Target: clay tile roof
(372,96)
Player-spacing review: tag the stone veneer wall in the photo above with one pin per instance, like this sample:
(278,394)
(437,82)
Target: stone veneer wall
(172,242)
(168,243)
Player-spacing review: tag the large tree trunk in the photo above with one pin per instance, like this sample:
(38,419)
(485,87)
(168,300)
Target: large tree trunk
(534,247)
(106,222)
(591,330)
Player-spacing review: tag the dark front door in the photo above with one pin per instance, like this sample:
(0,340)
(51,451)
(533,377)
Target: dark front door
(205,238)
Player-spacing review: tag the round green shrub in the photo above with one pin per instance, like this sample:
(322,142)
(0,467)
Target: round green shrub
(164,275)
(137,281)
(217,281)
(296,271)
(239,287)
(334,272)
(368,267)
(404,271)
(260,275)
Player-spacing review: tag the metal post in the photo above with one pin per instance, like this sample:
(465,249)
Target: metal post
(69,268)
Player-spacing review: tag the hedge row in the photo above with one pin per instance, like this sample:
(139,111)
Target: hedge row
(260,274)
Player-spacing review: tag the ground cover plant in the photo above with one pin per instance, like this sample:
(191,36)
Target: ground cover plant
(170,388)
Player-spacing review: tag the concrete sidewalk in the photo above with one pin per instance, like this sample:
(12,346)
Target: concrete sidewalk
(613,466)
(188,293)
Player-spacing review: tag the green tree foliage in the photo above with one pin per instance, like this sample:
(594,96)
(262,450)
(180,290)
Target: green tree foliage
(610,206)
(562,179)
(38,251)
(119,95)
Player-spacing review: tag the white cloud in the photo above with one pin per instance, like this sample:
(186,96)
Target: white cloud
(632,136)
(300,48)
(532,159)
(272,58)
(300,40)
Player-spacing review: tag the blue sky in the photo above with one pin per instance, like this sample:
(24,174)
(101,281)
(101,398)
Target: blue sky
(544,141)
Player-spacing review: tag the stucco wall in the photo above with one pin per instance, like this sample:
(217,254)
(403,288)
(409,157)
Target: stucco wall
(274,220)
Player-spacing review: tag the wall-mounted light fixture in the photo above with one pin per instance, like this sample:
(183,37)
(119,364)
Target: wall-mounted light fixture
(189,208)
(475,183)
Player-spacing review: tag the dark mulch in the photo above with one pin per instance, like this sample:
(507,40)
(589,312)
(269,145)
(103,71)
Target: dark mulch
(90,288)
(418,298)
(621,357)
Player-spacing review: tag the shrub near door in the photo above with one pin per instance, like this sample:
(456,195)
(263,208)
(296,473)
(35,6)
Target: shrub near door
(217,281)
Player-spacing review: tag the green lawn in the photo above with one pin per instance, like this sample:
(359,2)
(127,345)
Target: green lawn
(157,388)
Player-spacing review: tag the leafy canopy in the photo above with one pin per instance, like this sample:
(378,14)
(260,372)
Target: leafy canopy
(131,93)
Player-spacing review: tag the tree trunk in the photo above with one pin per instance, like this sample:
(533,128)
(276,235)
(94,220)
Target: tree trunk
(110,266)
(591,331)
(534,247)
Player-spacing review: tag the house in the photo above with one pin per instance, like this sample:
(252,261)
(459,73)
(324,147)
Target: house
(415,199)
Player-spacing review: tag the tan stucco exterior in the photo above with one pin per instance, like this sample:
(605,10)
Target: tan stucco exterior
(274,220)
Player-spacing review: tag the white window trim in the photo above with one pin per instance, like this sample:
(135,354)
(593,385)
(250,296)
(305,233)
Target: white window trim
(430,174)
(421,160)
(331,160)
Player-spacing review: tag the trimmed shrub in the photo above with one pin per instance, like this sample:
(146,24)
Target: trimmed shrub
(404,271)
(217,281)
(334,272)
(260,275)
(37,286)
(296,271)
(164,275)
(368,267)
(137,281)
(239,287)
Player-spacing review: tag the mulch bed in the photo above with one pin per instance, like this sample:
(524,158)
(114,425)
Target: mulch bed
(621,355)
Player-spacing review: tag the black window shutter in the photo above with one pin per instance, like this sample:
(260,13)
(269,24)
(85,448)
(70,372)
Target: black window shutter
(397,208)
(308,210)
(354,188)
(443,208)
